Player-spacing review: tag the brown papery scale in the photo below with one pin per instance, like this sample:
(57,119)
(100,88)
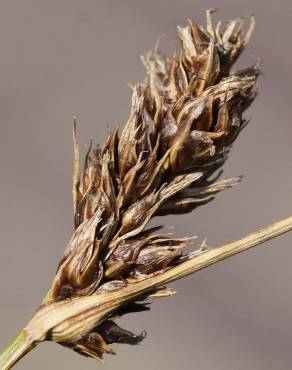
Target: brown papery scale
(184,119)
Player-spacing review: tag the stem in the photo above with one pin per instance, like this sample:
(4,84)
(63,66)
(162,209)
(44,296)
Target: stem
(225,251)
(58,318)
(204,260)
(20,346)
(49,318)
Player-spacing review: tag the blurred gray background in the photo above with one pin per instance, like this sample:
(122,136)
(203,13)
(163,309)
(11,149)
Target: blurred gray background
(72,57)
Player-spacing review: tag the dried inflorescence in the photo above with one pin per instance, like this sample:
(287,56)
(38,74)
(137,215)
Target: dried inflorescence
(184,118)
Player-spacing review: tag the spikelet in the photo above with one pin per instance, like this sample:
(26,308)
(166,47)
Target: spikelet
(184,118)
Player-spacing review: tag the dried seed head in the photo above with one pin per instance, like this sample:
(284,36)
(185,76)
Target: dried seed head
(195,104)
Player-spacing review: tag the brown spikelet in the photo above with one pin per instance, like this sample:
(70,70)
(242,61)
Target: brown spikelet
(184,118)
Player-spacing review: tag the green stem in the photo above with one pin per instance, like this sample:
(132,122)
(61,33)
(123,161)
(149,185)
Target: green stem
(51,316)
(20,346)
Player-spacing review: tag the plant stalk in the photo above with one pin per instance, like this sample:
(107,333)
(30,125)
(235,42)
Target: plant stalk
(25,342)
(17,349)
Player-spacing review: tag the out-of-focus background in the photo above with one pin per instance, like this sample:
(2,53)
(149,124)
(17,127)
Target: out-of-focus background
(64,58)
